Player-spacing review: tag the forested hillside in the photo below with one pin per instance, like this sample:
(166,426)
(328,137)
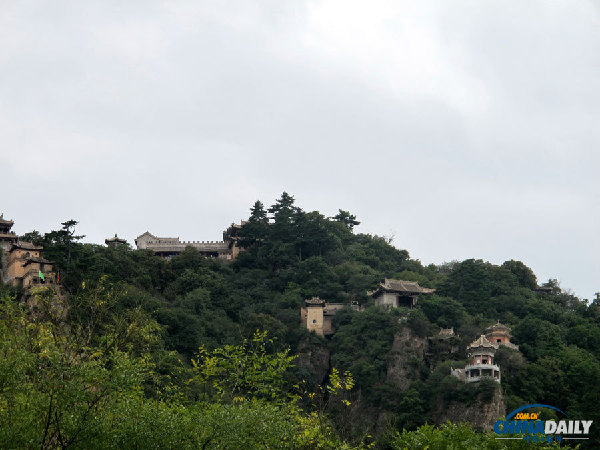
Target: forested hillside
(149,352)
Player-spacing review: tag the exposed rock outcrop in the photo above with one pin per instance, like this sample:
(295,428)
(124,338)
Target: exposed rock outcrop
(479,413)
(405,358)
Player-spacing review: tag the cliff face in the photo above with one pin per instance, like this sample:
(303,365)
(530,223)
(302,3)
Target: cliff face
(480,414)
(405,358)
(316,360)
(408,355)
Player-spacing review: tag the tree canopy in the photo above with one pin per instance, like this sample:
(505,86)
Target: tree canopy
(150,347)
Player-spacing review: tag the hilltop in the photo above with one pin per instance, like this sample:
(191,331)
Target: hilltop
(150,316)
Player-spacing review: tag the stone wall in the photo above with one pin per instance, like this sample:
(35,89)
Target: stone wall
(173,246)
(314,319)
(387,300)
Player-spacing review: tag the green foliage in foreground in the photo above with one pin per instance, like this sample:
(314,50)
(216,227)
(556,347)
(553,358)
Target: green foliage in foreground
(135,322)
(56,393)
(456,437)
(244,370)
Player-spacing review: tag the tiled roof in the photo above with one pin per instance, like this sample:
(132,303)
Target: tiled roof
(4,221)
(411,287)
(26,246)
(115,239)
(482,341)
(497,327)
(314,301)
(37,260)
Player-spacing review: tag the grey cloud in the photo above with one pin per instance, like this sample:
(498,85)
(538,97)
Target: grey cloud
(468,131)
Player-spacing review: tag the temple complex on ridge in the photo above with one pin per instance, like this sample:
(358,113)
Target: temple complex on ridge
(22,262)
(481,362)
(168,247)
(317,314)
(396,293)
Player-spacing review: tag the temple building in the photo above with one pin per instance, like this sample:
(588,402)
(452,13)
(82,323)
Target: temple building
(546,290)
(22,263)
(500,334)
(481,362)
(26,267)
(231,236)
(169,247)
(442,346)
(446,333)
(7,237)
(316,315)
(396,293)
(115,241)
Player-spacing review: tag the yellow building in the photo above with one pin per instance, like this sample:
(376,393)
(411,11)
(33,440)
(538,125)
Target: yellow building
(25,266)
(316,315)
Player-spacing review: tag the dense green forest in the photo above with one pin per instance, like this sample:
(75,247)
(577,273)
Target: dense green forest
(194,352)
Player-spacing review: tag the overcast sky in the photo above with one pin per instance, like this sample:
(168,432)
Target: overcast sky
(464,129)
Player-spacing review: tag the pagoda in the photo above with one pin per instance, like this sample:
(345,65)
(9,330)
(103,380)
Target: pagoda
(500,335)
(115,241)
(481,362)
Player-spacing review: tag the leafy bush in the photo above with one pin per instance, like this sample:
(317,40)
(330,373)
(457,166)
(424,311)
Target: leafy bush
(455,437)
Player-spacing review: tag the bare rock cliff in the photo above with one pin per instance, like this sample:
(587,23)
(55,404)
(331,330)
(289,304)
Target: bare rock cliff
(480,414)
(405,358)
